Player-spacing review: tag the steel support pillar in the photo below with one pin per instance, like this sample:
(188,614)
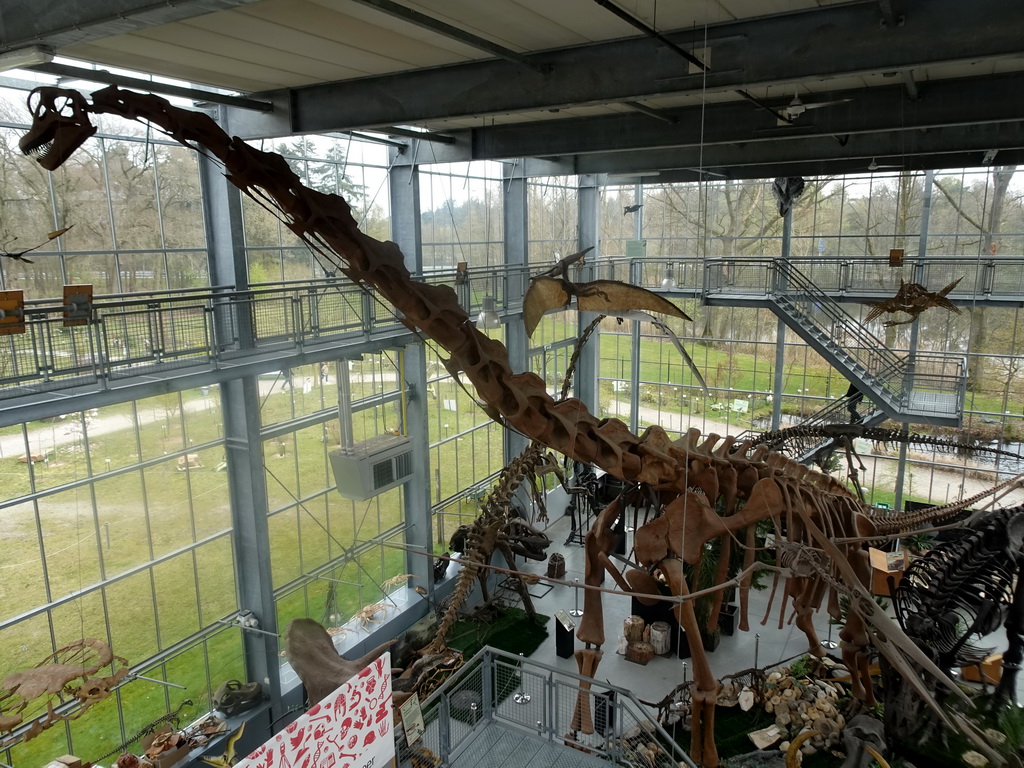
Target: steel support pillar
(922,252)
(222,212)
(587,368)
(780,333)
(247,487)
(222,215)
(515,214)
(405,231)
(634,354)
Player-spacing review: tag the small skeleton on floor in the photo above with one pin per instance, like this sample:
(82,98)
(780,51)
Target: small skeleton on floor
(367,615)
(395,581)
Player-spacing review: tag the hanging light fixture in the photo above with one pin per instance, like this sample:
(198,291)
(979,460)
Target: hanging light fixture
(668,282)
(488,318)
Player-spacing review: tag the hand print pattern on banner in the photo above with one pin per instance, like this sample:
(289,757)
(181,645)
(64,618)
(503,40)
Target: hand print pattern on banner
(351,728)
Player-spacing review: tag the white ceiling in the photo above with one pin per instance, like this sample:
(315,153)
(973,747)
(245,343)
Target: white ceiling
(287,43)
(928,79)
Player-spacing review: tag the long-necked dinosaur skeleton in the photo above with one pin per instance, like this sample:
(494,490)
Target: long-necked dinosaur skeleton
(820,525)
(801,434)
(498,526)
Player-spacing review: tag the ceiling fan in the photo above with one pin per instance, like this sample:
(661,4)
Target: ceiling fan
(875,166)
(796,107)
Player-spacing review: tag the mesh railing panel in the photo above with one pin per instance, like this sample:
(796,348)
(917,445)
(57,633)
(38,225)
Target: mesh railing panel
(273,319)
(520,696)
(128,336)
(541,702)
(49,354)
(332,312)
(145,339)
(466,704)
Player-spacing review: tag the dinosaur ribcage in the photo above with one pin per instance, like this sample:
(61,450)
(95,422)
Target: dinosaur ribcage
(960,590)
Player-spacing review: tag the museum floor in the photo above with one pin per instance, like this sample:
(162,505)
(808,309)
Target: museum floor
(654,680)
(498,746)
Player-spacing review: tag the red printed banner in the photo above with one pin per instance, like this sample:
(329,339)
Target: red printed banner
(351,728)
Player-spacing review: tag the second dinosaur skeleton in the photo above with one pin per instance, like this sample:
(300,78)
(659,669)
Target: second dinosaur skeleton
(816,442)
(748,484)
(498,528)
(69,674)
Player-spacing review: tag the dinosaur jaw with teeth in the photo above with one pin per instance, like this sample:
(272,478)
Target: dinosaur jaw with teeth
(60,126)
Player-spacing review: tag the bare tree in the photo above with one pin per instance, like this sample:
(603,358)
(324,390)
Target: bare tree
(989,228)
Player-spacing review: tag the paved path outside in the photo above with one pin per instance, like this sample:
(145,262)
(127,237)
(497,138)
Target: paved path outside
(44,438)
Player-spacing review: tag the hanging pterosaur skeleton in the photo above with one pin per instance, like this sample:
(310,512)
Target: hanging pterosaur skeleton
(912,299)
(552,290)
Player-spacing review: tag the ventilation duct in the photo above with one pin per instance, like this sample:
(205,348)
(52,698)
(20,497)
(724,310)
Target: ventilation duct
(372,466)
(363,470)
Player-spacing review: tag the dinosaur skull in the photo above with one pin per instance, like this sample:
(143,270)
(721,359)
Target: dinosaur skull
(859,731)
(525,540)
(60,125)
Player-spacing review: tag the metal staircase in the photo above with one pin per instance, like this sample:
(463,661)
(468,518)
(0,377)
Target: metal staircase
(923,388)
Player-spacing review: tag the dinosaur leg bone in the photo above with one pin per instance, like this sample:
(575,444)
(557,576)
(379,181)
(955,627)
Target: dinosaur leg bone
(705,686)
(582,717)
(598,543)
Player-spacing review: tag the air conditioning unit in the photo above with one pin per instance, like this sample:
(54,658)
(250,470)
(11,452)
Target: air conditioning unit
(372,467)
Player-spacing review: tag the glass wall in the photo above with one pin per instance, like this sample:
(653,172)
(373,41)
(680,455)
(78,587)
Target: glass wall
(461,215)
(117,526)
(327,555)
(355,170)
(553,219)
(974,217)
(131,202)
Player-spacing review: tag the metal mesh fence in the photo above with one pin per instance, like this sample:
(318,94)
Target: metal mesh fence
(50,352)
(544,706)
(144,339)
(129,335)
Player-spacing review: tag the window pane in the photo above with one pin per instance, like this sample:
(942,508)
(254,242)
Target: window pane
(132,617)
(71,541)
(215,563)
(176,598)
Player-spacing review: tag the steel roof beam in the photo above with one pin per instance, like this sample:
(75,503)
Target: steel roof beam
(941,103)
(443,28)
(836,41)
(837,167)
(737,160)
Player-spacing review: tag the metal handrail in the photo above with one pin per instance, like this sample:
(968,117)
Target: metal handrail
(791,284)
(905,383)
(481,674)
(145,333)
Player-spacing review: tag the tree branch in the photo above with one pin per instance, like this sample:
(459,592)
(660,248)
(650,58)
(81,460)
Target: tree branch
(956,205)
